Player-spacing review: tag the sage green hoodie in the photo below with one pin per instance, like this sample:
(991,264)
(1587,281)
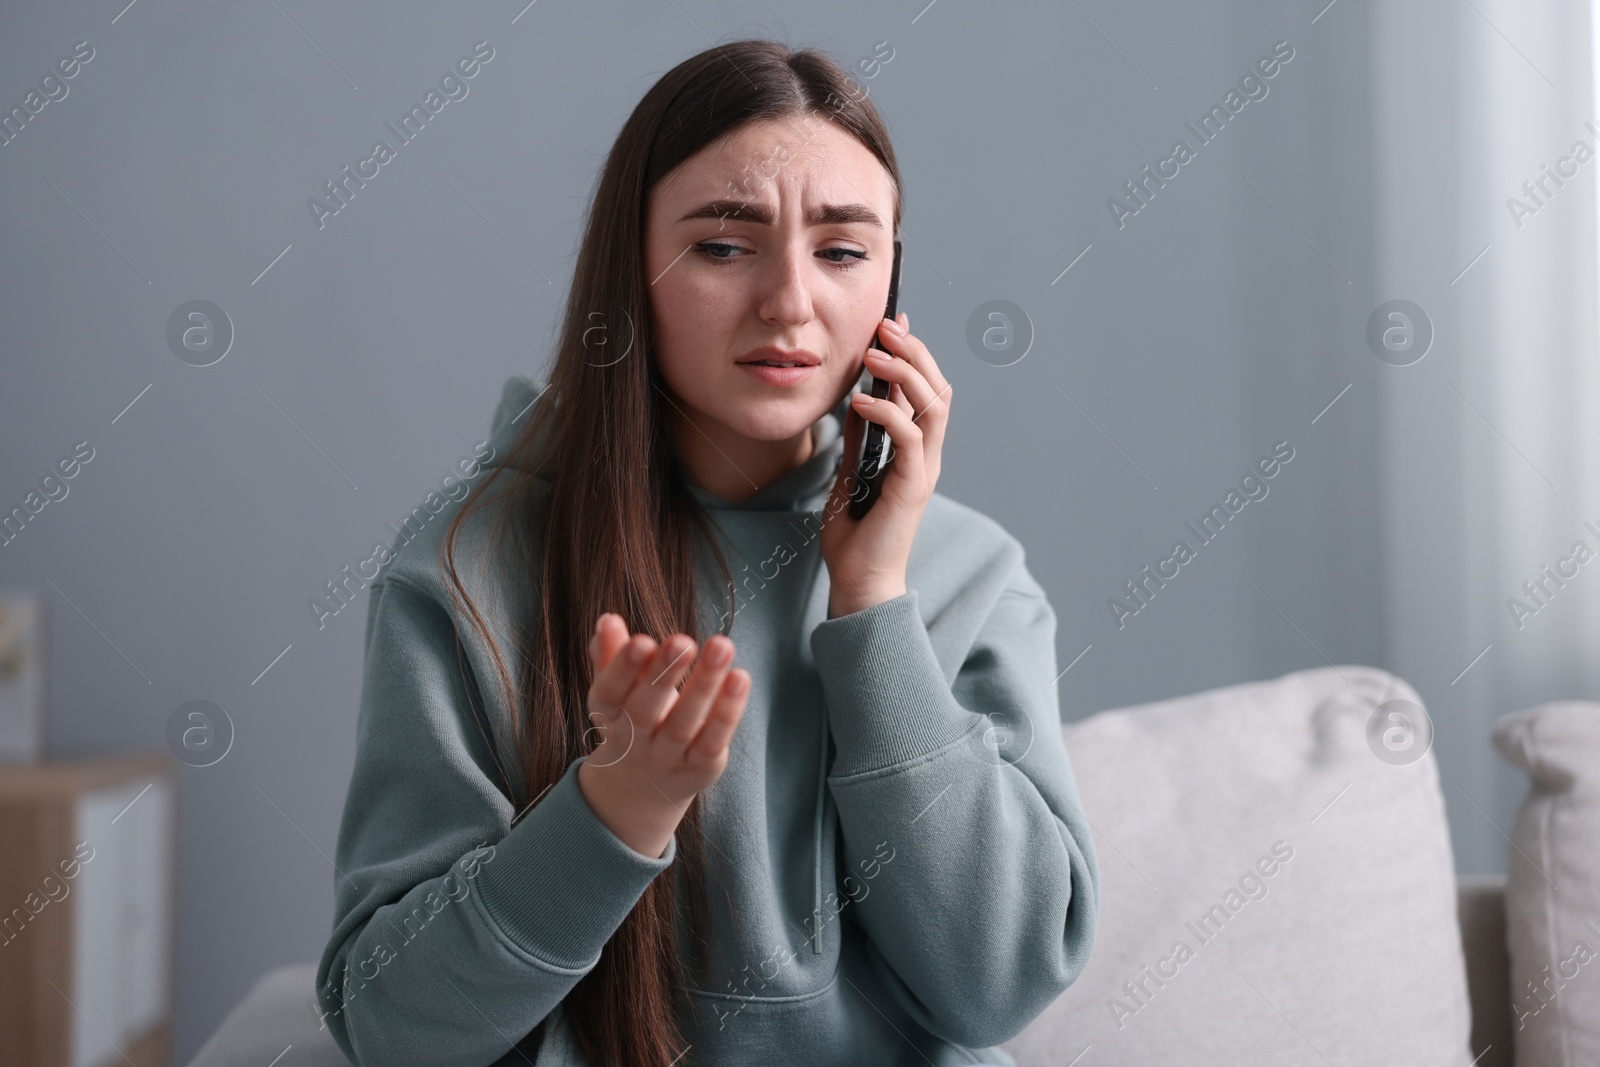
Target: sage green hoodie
(900,870)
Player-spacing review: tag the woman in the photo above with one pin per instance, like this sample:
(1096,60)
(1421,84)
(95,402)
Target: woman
(879,854)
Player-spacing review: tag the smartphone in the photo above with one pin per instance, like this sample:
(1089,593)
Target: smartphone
(874,459)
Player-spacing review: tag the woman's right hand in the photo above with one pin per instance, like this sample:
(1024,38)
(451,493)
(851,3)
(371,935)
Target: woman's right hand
(660,745)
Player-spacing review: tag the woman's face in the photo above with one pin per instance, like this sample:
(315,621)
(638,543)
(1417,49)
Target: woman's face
(803,267)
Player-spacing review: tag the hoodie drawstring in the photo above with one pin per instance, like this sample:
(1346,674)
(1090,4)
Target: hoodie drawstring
(822,795)
(816,837)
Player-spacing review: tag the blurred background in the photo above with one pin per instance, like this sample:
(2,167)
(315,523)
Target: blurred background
(1364,260)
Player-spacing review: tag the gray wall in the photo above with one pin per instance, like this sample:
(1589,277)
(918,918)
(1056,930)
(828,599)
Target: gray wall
(368,358)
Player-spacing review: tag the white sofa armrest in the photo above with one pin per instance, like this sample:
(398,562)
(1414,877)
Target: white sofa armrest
(276,1015)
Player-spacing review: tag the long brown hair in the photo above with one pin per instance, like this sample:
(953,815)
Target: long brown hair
(614,527)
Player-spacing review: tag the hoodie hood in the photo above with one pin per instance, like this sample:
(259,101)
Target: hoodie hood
(804,488)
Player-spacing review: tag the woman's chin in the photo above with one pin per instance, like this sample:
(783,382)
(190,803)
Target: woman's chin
(775,422)
(772,415)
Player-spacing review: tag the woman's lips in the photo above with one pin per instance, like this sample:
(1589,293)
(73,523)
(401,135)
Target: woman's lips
(778,375)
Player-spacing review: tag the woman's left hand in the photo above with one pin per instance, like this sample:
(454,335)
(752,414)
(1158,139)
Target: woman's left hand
(867,557)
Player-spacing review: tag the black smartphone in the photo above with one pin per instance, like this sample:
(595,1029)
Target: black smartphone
(874,459)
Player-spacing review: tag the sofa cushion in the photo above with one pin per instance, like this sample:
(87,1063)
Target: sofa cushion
(1553,883)
(1277,883)
(278,1016)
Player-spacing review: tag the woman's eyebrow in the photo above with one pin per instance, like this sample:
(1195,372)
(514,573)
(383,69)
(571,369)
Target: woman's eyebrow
(746,211)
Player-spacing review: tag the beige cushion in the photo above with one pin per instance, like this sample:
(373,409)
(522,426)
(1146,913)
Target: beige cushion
(277,1018)
(1553,883)
(1309,883)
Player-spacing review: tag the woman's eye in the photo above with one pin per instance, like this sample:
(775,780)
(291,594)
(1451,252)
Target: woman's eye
(722,252)
(854,257)
(706,250)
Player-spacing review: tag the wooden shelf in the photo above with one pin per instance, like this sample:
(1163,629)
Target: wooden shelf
(86,911)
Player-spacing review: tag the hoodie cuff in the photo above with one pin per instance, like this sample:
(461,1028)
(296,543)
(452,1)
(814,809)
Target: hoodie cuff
(562,882)
(888,700)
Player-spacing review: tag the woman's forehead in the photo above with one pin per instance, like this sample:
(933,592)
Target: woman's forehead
(774,160)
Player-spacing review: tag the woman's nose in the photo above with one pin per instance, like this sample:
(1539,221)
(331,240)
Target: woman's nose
(788,289)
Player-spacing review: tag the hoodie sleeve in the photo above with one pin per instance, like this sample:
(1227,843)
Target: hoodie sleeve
(968,860)
(455,934)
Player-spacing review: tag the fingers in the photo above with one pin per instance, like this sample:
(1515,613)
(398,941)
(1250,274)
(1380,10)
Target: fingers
(687,714)
(917,385)
(615,680)
(846,483)
(898,395)
(907,436)
(609,635)
(726,711)
(909,364)
(640,678)
(656,686)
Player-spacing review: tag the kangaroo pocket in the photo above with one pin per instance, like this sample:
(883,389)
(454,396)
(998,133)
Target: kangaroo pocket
(851,1020)
(754,929)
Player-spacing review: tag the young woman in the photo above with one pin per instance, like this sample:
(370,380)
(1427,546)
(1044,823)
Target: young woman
(576,832)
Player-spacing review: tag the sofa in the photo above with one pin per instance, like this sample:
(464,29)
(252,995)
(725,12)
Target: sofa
(1277,887)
